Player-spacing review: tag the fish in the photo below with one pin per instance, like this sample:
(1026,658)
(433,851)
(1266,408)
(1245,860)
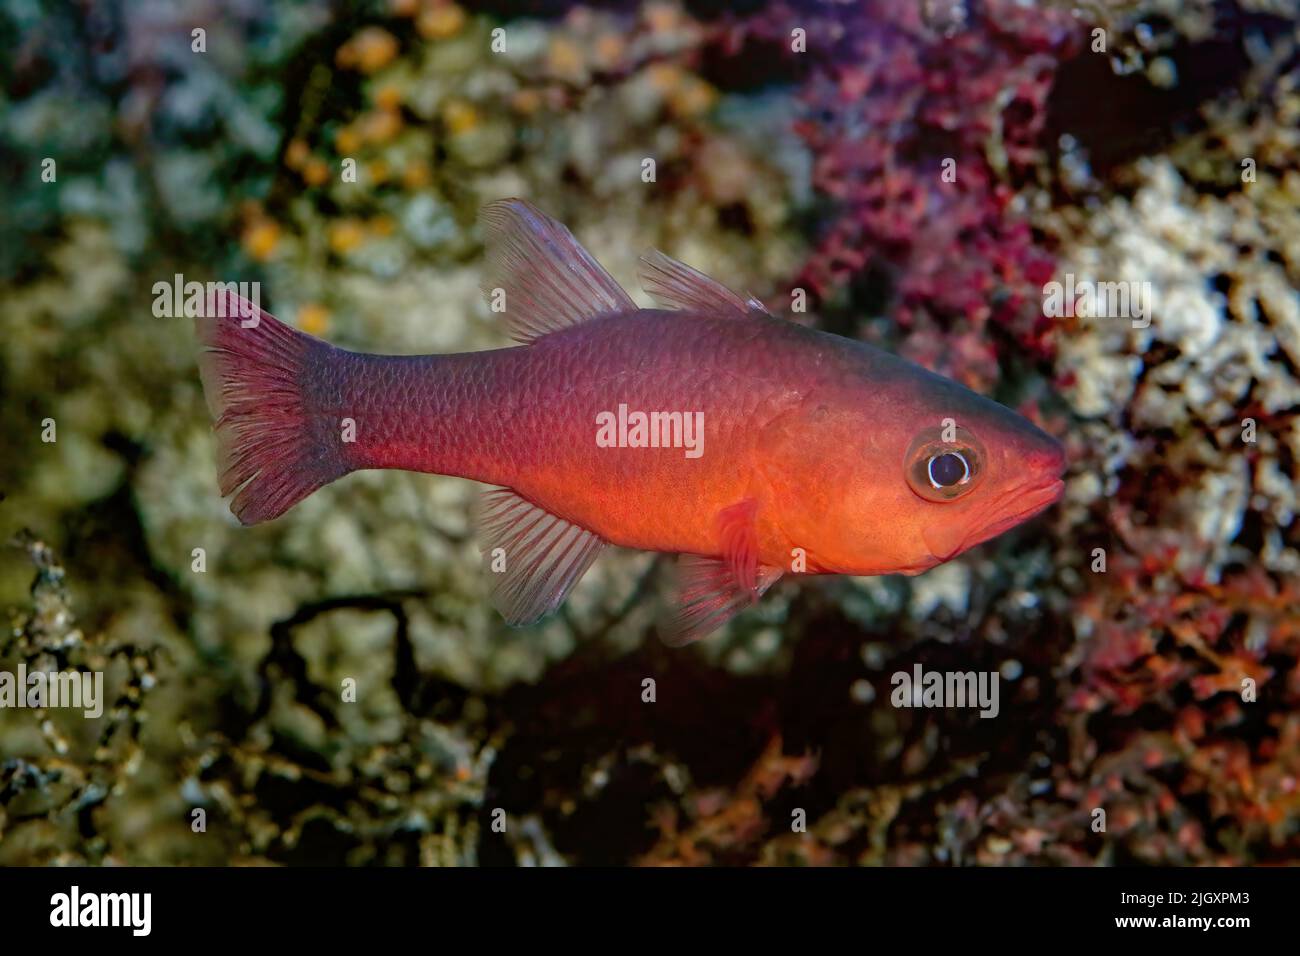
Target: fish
(751,447)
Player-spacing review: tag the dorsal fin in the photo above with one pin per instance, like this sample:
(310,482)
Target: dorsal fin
(675,285)
(548,279)
(540,558)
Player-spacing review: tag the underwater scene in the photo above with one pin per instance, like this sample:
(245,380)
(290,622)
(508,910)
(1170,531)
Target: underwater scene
(650,433)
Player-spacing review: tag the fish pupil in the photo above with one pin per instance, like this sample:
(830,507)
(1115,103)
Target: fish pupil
(948,469)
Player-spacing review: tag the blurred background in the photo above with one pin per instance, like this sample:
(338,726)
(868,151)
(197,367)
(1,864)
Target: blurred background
(1153,141)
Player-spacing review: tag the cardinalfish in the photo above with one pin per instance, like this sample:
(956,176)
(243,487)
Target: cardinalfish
(818,454)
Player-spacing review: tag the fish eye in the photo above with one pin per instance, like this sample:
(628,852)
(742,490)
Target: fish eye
(948,469)
(939,470)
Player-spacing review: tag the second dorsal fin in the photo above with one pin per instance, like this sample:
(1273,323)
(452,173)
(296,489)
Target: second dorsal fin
(547,280)
(677,286)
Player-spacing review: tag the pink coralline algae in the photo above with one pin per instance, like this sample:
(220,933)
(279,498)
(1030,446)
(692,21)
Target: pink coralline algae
(923,119)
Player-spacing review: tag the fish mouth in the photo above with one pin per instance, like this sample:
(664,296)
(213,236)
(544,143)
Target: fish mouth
(1013,508)
(1028,504)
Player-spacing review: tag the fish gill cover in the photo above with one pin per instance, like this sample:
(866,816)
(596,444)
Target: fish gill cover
(950,180)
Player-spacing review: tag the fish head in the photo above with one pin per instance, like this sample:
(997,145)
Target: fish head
(973,473)
(924,470)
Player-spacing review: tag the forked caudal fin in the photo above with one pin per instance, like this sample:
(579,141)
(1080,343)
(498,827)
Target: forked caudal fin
(272,450)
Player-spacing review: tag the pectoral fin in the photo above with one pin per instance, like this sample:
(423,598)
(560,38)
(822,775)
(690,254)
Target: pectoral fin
(738,535)
(713,590)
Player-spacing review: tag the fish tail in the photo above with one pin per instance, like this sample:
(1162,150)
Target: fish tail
(261,381)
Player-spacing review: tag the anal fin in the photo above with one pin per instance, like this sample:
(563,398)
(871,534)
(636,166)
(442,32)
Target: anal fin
(532,557)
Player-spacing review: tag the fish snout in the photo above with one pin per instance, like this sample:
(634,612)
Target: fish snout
(1050,461)
(1045,466)
(1035,485)
(1042,466)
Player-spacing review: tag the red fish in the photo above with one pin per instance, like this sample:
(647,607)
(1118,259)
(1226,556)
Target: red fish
(750,446)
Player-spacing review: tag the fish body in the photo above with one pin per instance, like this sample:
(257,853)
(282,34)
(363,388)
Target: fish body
(752,446)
